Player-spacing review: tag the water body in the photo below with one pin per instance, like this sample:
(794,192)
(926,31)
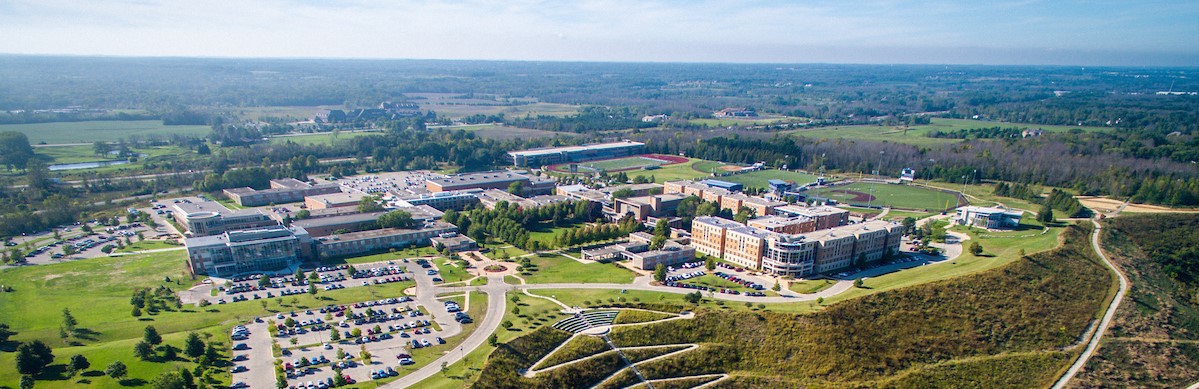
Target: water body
(86,165)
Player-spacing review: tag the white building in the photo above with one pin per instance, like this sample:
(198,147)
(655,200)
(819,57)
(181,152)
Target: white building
(988,217)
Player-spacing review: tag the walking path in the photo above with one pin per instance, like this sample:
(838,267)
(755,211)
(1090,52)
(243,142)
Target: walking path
(1107,316)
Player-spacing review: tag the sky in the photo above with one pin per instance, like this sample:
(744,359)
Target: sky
(1000,32)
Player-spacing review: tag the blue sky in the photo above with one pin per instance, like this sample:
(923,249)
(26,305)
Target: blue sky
(872,31)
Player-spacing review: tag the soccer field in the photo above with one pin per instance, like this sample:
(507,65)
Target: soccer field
(622,164)
(759,178)
(889,195)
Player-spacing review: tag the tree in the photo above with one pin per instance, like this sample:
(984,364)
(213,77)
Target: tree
(657,242)
(660,273)
(692,297)
(516,188)
(193,347)
(15,150)
(143,351)
(5,333)
(116,370)
(356,332)
(976,249)
(334,335)
(68,321)
(622,193)
(303,214)
(857,283)
(776,287)
(710,263)
(33,357)
(662,228)
(506,324)
(369,204)
(203,149)
(820,300)
(492,340)
(312,289)
(151,336)
(396,219)
(264,282)
(1045,215)
(27,382)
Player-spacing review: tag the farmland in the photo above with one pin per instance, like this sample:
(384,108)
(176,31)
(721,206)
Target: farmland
(889,195)
(99,131)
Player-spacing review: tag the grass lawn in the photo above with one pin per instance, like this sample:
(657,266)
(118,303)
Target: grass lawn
(896,196)
(108,330)
(620,163)
(759,178)
(546,233)
(552,268)
(99,130)
(230,204)
(811,286)
(998,249)
(900,215)
(450,272)
(864,211)
(148,245)
(984,195)
(682,171)
(324,138)
(534,313)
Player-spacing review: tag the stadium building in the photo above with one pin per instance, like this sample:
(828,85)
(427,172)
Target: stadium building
(554,155)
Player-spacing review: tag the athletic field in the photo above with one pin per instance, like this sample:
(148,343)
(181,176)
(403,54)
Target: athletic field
(889,195)
(621,164)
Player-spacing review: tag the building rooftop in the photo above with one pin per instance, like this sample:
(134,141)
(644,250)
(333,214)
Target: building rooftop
(290,183)
(821,210)
(338,220)
(717,221)
(336,198)
(454,240)
(633,187)
(991,210)
(385,232)
(848,230)
(779,221)
(649,200)
(568,149)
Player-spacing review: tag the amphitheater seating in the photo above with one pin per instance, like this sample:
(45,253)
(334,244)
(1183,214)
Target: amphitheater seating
(586,320)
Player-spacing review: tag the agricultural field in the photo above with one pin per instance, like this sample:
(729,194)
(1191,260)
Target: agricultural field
(326,138)
(759,178)
(918,135)
(101,131)
(623,164)
(888,195)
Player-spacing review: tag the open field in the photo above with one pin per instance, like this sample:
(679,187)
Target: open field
(622,164)
(917,135)
(741,121)
(104,131)
(459,109)
(85,153)
(502,132)
(682,171)
(553,268)
(325,138)
(108,330)
(984,195)
(889,195)
(1104,204)
(759,178)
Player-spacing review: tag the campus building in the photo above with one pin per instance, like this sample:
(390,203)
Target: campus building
(795,254)
(245,251)
(456,200)
(454,242)
(554,155)
(363,242)
(757,205)
(988,217)
(490,180)
(333,200)
(825,216)
(204,218)
(286,190)
(783,225)
(637,250)
(645,206)
(348,222)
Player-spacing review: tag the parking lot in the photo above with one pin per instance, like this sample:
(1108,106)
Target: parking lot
(252,287)
(386,328)
(679,277)
(399,183)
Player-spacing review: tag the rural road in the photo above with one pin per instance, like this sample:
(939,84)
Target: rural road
(1107,316)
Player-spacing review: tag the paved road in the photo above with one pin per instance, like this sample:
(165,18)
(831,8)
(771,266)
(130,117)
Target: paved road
(496,306)
(1107,316)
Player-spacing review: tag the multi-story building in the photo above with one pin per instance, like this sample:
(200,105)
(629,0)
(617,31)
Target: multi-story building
(757,205)
(646,206)
(638,251)
(203,218)
(592,152)
(988,217)
(363,242)
(348,222)
(634,189)
(287,190)
(456,200)
(825,216)
(707,234)
(789,255)
(333,200)
(245,251)
(491,180)
(784,225)
(796,254)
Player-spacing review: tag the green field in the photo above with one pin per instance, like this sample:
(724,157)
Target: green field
(104,131)
(620,164)
(85,153)
(759,178)
(553,268)
(917,135)
(97,291)
(325,138)
(682,171)
(889,195)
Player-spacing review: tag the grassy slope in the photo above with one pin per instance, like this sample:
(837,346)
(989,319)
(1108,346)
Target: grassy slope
(1138,351)
(1001,327)
(106,131)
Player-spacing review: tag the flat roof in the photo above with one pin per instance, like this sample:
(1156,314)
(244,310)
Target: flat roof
(848,230)
(974,208)
(717,221)
(386,232)
(820,210)
(333,198)
(479,178)
(571,149)
(337,220)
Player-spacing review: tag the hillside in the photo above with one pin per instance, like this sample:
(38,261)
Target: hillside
(1154,338)
(1001,328)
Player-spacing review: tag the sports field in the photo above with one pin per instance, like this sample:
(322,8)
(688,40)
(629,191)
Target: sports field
(759,178)
(889,195)
(104,131)
(622,164)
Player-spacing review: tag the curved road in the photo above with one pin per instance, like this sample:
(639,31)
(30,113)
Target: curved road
(1107,316)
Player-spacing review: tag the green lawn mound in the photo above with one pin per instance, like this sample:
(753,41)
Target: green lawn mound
(1029,310)
(628,316)
(577,347)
